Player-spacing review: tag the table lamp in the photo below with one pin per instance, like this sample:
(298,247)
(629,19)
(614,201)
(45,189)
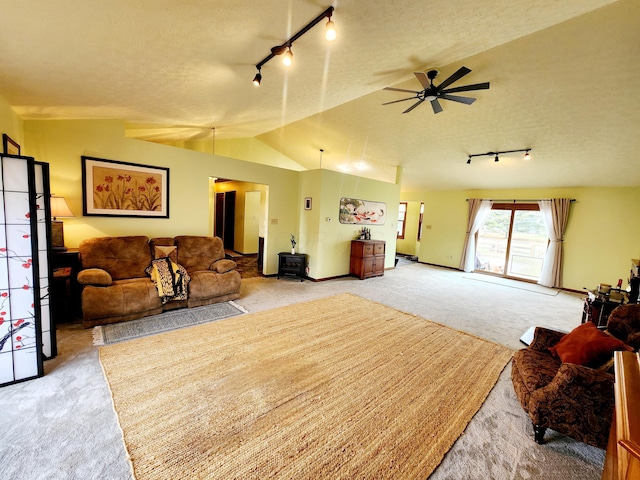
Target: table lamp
(59,208)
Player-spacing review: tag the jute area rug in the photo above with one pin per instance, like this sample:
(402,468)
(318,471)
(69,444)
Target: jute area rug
(340,387)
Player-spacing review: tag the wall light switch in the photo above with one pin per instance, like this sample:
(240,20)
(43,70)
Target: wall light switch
(274,221)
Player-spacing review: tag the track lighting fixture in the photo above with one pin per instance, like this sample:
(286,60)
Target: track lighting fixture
(285,48)
(257,79)
(496,155)
(287,57)
(330,30)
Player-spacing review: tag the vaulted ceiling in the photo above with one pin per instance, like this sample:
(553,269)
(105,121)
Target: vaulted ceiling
(564,81)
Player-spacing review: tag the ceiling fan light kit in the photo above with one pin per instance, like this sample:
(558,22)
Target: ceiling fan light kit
(496,155)
(433,93)
(285,48)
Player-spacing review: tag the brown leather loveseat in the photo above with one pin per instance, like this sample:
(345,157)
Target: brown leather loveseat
(116,285)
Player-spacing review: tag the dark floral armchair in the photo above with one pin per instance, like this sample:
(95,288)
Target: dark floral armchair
(572,399)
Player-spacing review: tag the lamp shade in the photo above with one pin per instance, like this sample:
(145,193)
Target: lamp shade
(59,207)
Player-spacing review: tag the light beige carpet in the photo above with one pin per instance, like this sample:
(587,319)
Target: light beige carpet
(339,387)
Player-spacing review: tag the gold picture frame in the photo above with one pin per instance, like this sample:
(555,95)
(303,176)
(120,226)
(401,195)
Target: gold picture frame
(114,188)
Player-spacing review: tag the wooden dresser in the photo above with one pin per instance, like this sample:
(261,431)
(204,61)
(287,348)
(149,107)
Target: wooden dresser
(367,258)
(623,452)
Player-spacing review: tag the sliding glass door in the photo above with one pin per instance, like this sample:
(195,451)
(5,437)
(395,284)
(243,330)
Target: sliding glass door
(512,242)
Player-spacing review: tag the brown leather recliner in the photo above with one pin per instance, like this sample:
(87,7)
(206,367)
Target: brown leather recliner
(572,399)
(116,286)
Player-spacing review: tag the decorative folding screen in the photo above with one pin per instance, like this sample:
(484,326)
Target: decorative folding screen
(21,338)
(47,325)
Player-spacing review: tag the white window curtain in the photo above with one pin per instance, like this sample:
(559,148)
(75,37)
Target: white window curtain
(556,214)
(478,211)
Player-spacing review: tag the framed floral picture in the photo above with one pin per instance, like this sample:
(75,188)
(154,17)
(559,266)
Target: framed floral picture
(362,212)
(113,188)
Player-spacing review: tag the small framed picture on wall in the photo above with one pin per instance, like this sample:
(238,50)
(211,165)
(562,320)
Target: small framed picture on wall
(9,146)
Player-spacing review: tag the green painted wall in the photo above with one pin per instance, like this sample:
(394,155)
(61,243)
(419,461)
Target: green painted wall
(409,245)
(601,238)
(324,235)
(241,148)
(11,124)
(602,234)
(61,143)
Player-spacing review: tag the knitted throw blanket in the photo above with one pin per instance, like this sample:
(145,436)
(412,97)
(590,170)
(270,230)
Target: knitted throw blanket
(170,279)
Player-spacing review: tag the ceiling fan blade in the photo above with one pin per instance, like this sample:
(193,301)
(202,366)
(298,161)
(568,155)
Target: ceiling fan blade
(413,106)
(457,98)
(400,90)
(462,71)
(435,104)
(468,88)
(401,100)
(423,79)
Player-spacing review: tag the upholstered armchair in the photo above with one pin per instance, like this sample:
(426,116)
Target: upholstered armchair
(565,381)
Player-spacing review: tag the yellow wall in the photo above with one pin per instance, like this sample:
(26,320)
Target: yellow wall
(602,235)
(409,245)
(321,230)
(241,148)
(11,124)
(61,143)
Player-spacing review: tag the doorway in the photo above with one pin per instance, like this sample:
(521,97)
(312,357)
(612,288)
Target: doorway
(512,242)
(238,212)
(225,218)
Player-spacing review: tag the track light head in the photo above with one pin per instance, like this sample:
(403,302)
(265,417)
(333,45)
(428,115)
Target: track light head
(527,156)
(330,30)
(496,159)
(469,161)
(257,79)
(287,57)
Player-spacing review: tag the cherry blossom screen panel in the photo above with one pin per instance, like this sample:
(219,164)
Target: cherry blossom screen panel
(20,329)
(47,326)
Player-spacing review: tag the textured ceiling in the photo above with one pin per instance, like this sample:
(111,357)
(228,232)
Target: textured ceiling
(564,81)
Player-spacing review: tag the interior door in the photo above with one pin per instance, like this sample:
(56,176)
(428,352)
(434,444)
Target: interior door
(218,229)
(229,220)
(224,222)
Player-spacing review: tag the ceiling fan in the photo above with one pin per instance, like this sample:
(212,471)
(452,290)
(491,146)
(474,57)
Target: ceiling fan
(433,93)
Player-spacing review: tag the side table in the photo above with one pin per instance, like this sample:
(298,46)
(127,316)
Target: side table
(66,266)
(597,310)
(294,264)
(59,294)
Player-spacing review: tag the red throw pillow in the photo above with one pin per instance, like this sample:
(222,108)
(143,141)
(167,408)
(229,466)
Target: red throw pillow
(586,345)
